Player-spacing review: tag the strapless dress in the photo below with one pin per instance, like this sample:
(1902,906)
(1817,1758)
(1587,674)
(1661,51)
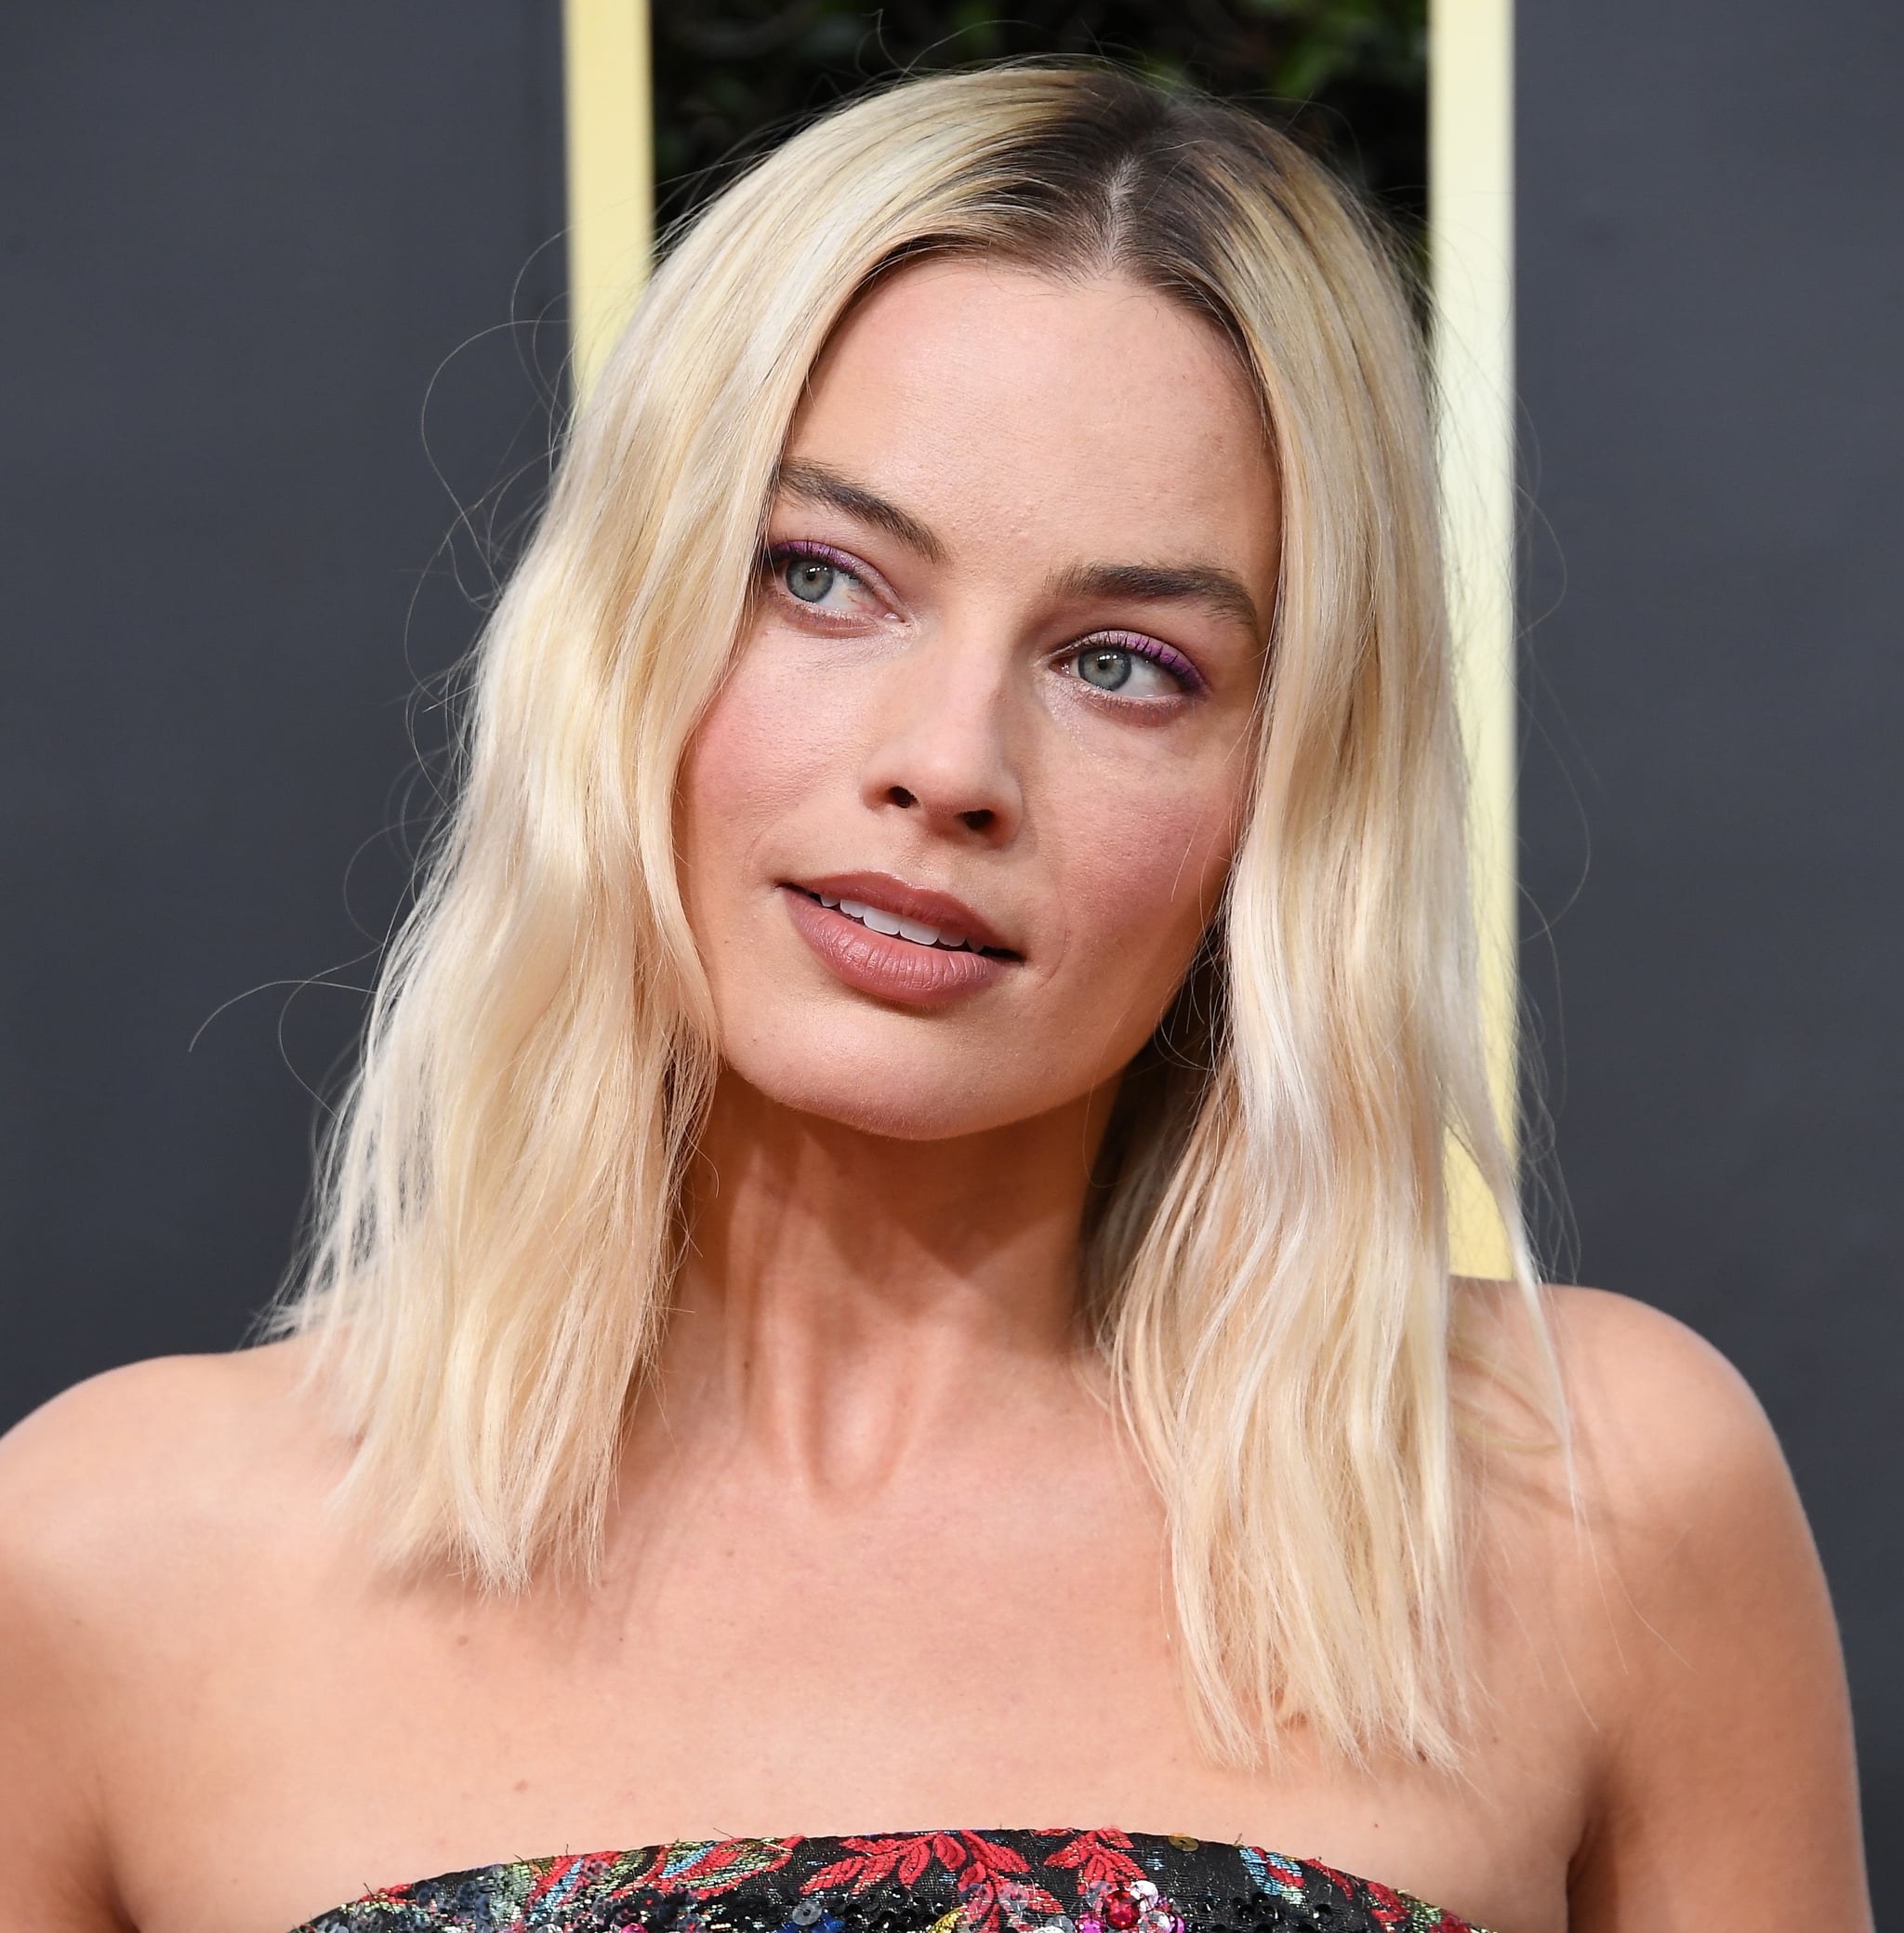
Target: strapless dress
(949,1882)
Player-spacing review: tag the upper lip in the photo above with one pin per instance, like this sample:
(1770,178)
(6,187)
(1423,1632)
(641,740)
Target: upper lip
(909,902)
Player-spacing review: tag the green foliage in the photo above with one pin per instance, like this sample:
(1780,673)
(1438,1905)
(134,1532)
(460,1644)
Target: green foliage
(1348,77)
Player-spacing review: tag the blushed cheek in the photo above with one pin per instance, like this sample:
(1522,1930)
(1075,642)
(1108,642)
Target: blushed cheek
(758,748)
(1139,887)
(764,751)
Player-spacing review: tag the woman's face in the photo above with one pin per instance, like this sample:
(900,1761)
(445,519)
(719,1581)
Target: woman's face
(956,821)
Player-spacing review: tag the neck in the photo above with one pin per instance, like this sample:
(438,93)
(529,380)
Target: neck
(847,1296)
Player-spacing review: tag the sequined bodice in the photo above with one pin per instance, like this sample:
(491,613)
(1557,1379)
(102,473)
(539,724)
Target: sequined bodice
(945,1881)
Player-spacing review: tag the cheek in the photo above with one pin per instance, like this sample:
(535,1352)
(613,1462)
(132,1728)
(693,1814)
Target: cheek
(1139,881)
(755,758)
(741,757)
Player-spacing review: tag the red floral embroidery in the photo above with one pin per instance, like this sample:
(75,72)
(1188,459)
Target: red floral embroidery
(985,1873)
(570,1873)
(1388,1905)
(1101,1856)
(714,1865)
(1000,1881)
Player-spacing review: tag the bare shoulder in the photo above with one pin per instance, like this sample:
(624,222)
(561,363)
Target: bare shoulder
(132,1508)
(1673,1511)
(1663,1430)
(175,1429)
(1664,1427)
(130,1482)
(1688,1609)
(164,1403)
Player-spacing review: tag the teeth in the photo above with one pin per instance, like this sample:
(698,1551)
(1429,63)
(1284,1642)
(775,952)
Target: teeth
(890,924)
(870,915)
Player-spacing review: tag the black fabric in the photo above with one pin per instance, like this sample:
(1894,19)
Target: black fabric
(1002,1881)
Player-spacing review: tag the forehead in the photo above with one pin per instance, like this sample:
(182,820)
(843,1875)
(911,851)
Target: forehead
(995,401)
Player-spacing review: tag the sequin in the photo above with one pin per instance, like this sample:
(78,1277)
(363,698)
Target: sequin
(1102,1881)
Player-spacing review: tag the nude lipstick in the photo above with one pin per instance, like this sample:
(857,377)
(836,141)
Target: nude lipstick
(896,941)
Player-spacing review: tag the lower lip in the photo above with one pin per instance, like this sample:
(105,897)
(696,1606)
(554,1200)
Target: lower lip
(886,965)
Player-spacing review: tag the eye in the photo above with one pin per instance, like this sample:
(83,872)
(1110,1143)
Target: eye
(821,579)
(1134,667)
(809,579)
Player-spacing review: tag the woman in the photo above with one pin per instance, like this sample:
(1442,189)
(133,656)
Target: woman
(884,1273)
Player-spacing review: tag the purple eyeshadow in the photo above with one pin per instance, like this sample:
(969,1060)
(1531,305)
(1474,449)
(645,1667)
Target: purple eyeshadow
(1158,652)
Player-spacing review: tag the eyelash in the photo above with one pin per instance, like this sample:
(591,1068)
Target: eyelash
(778,554)
(1151,649)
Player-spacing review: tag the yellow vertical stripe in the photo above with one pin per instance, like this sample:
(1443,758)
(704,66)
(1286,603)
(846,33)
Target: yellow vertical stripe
(1470,243)
(1471,221)
(608,102)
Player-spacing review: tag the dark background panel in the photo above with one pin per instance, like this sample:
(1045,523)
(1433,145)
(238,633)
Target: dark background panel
(242,245)
(1348,77)
(239,242)
(1711,273)
(274,282)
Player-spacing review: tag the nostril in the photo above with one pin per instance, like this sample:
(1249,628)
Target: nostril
(979,820)
(900,796)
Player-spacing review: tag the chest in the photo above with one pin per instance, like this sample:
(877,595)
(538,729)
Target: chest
(748,1672)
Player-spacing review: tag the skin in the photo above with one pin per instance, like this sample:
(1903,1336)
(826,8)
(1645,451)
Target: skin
(880,1556)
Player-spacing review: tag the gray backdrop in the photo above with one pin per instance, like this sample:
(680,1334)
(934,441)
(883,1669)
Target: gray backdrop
(1709,275)
(240,241)
(242,245)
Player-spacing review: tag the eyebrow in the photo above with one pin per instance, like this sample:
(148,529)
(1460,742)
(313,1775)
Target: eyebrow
(1207,584)
(814,482)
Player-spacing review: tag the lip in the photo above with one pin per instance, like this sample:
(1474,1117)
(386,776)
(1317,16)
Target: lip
(884,964)
(920,903)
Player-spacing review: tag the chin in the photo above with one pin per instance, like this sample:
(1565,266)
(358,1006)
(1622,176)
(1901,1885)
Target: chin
(912,1120)
(921,1095)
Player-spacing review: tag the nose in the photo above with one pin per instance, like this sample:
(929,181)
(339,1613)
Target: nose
(941,746)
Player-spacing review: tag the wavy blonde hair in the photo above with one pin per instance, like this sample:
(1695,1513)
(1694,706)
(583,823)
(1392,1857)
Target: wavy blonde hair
(496,1219)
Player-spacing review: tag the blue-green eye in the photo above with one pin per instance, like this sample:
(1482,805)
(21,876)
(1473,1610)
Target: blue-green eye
(809,579)
(1105,667)
(825,582)
(1135,666)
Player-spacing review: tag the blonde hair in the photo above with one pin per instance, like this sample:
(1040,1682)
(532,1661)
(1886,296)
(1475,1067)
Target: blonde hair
(495,1223)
